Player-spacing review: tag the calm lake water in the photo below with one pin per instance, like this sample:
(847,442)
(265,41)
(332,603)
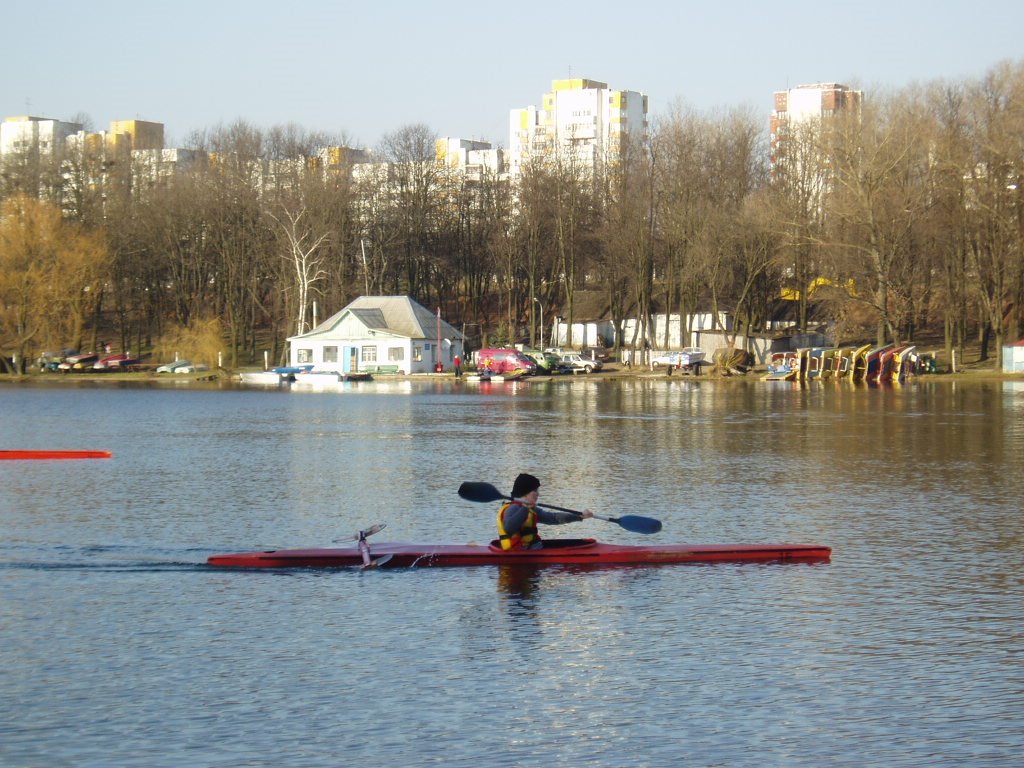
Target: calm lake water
(120,647)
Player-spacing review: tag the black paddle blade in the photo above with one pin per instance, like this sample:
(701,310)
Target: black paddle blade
(638,524)
(480,492)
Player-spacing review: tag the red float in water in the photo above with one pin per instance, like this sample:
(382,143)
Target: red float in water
(55,454)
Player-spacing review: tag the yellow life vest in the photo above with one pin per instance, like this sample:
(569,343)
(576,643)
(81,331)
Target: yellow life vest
(526,535)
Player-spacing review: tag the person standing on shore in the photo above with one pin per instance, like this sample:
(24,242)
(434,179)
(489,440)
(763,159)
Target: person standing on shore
(457,363)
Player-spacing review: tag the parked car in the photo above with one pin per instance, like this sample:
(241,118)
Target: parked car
(546,362)
(577,362)
(502,360)
(683,359)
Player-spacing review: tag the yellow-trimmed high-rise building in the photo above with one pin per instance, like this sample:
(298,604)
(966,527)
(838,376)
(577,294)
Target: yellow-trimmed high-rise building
(141,133)
(580,120)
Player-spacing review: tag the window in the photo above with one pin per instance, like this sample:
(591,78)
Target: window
(417,354)
(369,355)
(396,354)
(305,356)
(330,354)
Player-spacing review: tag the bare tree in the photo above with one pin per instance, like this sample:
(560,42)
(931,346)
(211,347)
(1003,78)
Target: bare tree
(947,224)
(800,176)
(303,253)
(684,208)
(411,152)
(533,258)
(630,210)
(575,174)
(878,191)
(994,205)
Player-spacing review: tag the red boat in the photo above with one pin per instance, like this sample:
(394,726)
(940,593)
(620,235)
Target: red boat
(115,362)
(555,552)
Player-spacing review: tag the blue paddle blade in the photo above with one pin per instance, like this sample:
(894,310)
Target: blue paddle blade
(638,524)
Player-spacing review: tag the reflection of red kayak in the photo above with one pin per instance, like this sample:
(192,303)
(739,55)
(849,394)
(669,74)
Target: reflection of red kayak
(555,552)
(55,454)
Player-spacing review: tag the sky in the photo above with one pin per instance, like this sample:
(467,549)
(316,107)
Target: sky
(361,70)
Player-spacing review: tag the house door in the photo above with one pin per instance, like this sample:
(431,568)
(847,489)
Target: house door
(350,362)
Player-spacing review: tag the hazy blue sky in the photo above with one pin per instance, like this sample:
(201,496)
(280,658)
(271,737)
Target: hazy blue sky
(364,69)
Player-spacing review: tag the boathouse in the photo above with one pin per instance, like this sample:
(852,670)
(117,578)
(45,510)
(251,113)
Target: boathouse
(379,334)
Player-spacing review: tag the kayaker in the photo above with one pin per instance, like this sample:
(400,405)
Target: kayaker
(518,518)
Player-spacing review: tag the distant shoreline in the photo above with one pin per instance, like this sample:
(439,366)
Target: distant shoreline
(217,378)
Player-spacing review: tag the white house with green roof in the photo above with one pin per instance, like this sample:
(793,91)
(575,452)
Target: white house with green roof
(379,334)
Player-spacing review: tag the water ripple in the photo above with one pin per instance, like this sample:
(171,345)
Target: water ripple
(118,646)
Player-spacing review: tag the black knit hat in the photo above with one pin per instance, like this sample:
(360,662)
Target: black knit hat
(523,485)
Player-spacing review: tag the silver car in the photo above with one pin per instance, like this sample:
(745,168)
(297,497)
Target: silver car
(577,362)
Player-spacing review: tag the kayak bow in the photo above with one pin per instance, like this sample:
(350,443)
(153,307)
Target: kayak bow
(555,552)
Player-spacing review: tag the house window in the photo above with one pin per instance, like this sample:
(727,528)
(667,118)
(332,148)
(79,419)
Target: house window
(304,356)
(330,354)
(369,355)
(417,354)
(396,353)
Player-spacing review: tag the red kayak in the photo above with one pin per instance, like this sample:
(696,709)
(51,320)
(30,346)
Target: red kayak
(55,454)
(555,552)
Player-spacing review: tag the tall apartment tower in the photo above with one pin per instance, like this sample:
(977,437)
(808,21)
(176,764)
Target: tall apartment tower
(583,119)
(807,104)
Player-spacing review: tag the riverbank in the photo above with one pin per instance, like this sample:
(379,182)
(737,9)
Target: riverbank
(969,368)
(983,371)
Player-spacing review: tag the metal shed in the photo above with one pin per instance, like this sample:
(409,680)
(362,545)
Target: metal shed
(1013,357)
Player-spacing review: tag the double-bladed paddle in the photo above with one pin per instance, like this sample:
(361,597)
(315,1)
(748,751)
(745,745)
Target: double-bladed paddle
(486,492)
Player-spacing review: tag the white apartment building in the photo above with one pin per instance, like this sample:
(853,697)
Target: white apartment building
(150,167)
(475,160)
(807,105)
(36,136)
(581,120)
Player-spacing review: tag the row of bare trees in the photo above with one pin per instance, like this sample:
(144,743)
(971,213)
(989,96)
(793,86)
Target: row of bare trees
(914,210)
(903,216)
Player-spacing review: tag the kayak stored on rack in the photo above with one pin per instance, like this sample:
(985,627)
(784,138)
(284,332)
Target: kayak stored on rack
(554,552)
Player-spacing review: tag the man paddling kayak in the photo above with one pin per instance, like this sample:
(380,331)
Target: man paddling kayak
(518,518)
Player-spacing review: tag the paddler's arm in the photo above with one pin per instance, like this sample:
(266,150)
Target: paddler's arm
(515,516)
(552,517)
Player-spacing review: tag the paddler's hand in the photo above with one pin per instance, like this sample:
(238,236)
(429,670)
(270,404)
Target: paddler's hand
(587,513)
